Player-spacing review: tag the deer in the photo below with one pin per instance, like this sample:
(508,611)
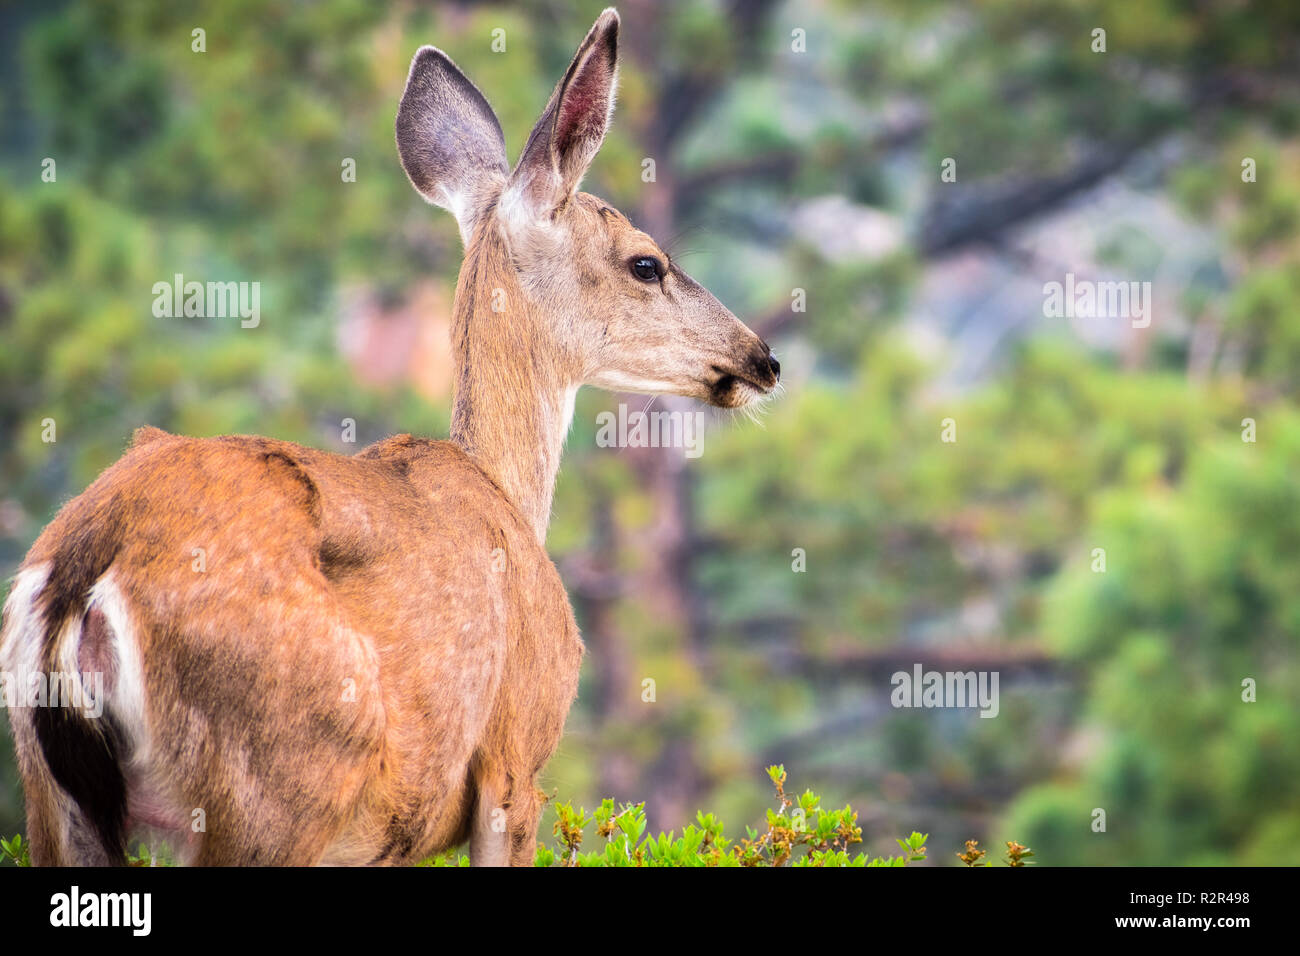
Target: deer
(309,658)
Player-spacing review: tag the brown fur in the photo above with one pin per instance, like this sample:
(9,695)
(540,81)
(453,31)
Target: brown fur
(331,570)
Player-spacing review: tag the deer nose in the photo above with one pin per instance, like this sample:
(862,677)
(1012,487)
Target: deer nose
(774,365)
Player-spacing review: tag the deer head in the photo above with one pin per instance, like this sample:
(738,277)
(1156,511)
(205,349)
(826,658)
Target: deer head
(606,301)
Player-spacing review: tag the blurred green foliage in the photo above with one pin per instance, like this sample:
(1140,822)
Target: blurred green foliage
(799,832)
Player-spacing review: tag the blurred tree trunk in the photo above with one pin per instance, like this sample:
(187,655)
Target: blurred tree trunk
(597,587)
(672,781)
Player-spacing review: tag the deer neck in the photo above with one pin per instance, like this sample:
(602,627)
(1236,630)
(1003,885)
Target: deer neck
(513,402)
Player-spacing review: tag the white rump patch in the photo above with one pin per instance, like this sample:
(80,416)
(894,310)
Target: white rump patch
(20,644)
(127,699)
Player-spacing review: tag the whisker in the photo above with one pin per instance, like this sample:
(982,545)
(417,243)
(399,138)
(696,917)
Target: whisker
(673,246)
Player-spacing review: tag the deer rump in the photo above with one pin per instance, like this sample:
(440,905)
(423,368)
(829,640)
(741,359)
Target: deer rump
(305,657)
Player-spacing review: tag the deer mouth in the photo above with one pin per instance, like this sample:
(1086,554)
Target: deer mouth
(732,390)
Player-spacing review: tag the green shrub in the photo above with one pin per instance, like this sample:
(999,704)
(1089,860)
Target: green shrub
(799,832)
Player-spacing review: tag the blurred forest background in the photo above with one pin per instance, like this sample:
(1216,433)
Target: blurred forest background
(797,146)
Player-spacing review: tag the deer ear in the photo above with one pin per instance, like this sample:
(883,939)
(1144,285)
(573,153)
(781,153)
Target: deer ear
(449,140)
(573,125)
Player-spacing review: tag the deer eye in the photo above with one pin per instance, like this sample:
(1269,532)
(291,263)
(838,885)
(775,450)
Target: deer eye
(646,268)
